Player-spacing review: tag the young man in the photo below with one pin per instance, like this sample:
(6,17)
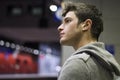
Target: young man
(81,28)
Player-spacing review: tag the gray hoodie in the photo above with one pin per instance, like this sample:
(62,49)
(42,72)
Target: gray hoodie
(90,62)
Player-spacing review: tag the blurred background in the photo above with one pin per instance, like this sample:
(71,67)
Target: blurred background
(29,42)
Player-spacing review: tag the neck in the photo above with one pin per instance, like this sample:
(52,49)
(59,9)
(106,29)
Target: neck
(82,43)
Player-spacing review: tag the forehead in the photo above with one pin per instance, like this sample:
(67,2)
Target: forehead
(70,14)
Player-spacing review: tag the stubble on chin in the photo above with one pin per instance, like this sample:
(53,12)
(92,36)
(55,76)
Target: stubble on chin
(62,42)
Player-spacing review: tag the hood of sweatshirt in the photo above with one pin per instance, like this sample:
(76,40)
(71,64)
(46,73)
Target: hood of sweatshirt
(97,50)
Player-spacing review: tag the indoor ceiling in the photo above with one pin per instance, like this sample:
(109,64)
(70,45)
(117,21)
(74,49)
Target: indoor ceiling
(27,27)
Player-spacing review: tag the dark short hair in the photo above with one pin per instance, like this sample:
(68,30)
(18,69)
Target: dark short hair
(86,11)
(72,1)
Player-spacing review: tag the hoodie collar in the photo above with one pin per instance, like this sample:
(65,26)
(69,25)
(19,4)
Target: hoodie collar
(97,50)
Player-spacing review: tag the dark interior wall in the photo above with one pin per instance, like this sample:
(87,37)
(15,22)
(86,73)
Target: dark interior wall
(47,78)
(22,19)
(27,26)
(25,18)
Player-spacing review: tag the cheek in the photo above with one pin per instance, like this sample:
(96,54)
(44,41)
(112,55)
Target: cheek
(70,31)
(70,28)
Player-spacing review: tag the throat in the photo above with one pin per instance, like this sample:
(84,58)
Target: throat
(82,43)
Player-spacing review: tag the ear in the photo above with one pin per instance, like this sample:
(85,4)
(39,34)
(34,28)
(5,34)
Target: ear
(86,25)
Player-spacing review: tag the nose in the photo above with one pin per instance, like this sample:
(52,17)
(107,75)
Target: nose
(60,28)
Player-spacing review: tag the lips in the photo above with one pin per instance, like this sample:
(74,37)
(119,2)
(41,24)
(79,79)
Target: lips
(61,35)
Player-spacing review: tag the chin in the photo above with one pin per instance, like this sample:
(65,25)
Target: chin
(64,42)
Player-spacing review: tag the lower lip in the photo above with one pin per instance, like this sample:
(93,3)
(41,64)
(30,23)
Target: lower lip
(60,36)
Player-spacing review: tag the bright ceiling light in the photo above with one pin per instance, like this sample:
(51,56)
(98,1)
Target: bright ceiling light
(53,8)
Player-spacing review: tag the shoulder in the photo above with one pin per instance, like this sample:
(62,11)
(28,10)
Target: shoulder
(75,68)
(83,56)
(77,60)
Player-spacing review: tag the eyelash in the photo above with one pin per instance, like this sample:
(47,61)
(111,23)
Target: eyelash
(67,21)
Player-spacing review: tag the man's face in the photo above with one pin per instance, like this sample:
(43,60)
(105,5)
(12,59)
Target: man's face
(70,31)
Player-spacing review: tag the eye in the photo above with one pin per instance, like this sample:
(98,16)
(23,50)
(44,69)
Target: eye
(67,20)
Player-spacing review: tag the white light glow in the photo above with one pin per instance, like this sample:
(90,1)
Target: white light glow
(36,52)
(58,14)
(12,45)
(7,44)
(2,42)
(58,68)
(53,8)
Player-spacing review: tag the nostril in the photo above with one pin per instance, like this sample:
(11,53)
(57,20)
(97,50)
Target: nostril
(60,28)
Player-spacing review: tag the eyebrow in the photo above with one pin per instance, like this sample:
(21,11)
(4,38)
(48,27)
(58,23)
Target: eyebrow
(66,18)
